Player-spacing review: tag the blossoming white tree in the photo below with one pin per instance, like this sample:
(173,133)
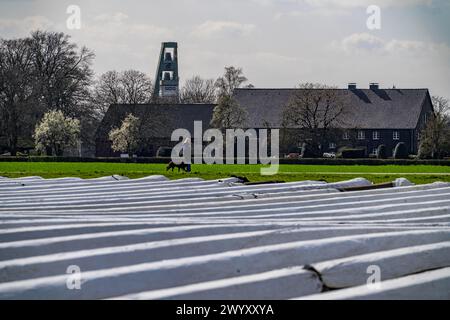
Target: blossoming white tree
(56,132)
(126,138)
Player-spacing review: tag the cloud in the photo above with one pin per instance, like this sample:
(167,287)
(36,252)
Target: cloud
(222,29)
(346,3)
(328,8)
(417,47)
(117,28)
(264,2)
(22,27)
(366,3)
(368,43)
(318,12)
(117,17)
(362,41)
(121,42)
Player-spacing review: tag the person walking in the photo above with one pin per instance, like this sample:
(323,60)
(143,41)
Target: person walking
(187,153)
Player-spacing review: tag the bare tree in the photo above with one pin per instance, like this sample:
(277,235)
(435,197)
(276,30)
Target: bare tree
(107,90)
(16,90)
(316,111)
(62,73)
(228,114)
(113,87)
(441,106)
(198,90)
(62,78)
(137,87)
(233,78)
(128,87)
(435,137)
(40,73)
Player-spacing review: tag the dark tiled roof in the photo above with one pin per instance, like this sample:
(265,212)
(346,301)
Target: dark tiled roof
(166,117)
(368,109)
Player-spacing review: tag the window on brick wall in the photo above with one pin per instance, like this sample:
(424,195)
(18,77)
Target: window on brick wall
(361,135)
(374,151)
(396,135)
(376,135)
(346,135)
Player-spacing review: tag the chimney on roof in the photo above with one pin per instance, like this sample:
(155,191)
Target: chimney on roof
(374,86)
(352,86)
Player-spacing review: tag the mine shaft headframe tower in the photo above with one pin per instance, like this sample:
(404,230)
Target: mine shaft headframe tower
(167,81)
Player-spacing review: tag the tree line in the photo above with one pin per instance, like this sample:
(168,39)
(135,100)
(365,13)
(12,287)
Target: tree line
(42,72)
(48,73)
(51,100)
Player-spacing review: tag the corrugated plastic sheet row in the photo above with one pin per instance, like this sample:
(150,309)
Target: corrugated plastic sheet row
(153,238)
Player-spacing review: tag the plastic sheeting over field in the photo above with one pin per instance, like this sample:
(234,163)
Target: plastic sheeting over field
(153,238)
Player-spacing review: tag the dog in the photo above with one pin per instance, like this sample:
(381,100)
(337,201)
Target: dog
(172,165)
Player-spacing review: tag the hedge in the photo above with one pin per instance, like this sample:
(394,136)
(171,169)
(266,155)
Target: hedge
(319,161)
(79,159)
(365,161)
(353,153)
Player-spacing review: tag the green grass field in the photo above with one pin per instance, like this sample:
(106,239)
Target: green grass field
(415,173)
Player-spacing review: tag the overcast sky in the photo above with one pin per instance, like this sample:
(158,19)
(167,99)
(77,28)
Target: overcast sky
(278,43)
